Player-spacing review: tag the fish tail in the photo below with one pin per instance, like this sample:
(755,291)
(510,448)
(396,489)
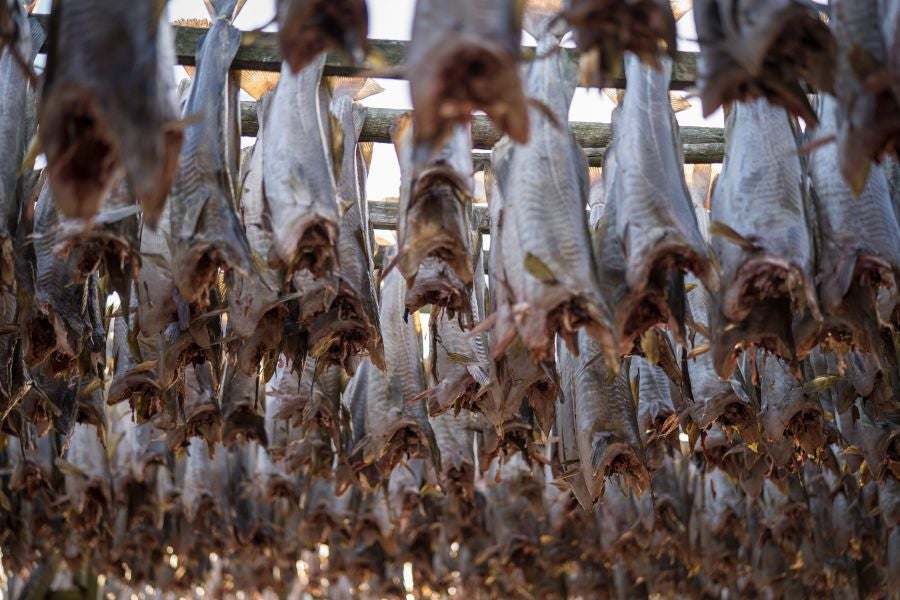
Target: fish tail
(224,9)
(544,17)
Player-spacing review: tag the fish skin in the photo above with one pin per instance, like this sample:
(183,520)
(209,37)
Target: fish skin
(654,407)
(555,234)
(13,132)
(96,103)
(435,202)
(90,493)
(761,289)
(609,442)
(889,11)
(787,408)
(858,243)
(868,123)
(205,232)
(753,49)
(205,482)
(655,216)
(57,325)
(395,423)
(200,415)
(306,28)
(572,470)
(300,188)
(350,327)
(463,57)
(647,25)
(242,399)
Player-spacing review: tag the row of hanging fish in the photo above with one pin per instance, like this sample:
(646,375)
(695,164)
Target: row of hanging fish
(256,389)
(242,521)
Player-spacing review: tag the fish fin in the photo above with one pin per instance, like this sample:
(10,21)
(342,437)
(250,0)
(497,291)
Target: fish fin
(678,102)
(336,135)
(717,228)
(544,16)
(367,149)
(616,96)
(258,83)
(681,8)
(358,88)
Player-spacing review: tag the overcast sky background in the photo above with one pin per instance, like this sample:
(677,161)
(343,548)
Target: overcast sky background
(392,19)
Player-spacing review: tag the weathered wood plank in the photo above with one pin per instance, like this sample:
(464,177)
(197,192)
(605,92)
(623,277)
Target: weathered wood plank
(701,144)
(260,53)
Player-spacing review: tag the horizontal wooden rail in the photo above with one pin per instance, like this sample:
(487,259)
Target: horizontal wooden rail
(701,144)
(260,53)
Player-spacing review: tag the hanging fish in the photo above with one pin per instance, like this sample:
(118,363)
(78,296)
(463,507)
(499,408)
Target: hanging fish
(350,327)
(306,28)
(205,233)
(108,105)
(858,245)
(654,216)
(868,119)
(299,178)
(751,49)
(545,264)
(606,29)
(464,57)
(435,214)
(761,237)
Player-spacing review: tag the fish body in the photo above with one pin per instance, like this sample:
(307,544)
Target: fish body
(606,29)
(242,399)
(300,188)
(546,265)
(205,233)
(787,408)
(88,481)
(764,246)
(859,242)
(256,311)
(350,327)
(463,57)
(868,123)
(306,28)
(714,398)
(395,420)
(609,442)
(435,213)
(655,220)
(108,106)
(573,471)
(13,130)
(58,325)
(762,49)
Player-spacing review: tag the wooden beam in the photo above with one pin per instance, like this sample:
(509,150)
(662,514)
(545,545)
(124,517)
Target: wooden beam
(260,53)
(383,215)
(701,144)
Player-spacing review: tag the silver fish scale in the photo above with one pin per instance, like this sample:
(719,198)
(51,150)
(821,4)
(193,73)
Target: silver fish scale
(759,192)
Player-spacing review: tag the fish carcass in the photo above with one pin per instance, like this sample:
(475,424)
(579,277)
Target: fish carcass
(306,28)
(108,105)
(545,267)
(761,237)
(464,57)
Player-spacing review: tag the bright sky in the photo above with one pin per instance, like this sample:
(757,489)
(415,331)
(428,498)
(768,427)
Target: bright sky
(392,19)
